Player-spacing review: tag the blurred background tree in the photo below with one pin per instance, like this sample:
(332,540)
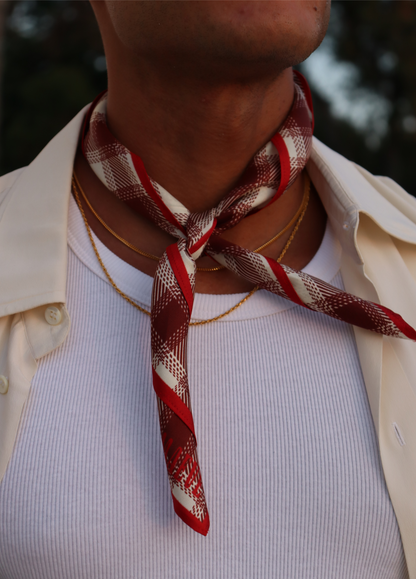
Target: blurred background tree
(54,64)
(363,79)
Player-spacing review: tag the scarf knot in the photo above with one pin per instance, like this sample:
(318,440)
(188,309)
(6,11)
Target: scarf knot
(199,228)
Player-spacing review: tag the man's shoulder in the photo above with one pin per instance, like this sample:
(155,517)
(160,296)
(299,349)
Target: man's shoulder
(7,181)
(6,186)
(349,188)
(392,192)
(51,167)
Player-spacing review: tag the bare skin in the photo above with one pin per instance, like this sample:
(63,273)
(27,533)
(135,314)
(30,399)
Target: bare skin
(218,84)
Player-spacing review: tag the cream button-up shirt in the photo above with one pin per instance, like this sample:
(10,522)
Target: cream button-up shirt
(373,218)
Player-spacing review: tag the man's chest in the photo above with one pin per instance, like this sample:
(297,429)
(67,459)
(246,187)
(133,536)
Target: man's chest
(286,446)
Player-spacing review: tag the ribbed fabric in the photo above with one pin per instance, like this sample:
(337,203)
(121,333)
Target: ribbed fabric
(86,494)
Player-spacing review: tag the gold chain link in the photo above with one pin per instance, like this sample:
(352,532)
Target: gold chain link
(206,269)
(75,186)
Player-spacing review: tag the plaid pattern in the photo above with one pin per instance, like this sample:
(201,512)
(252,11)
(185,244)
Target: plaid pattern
(271,172)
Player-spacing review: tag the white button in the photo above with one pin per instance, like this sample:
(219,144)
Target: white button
(346,225)
(4,384)
(53,316)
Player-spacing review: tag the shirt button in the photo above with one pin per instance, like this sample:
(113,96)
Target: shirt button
(346,225)
(4,384)
(53,316)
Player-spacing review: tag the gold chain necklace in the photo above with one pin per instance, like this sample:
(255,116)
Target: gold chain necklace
(305,199)
(202,322)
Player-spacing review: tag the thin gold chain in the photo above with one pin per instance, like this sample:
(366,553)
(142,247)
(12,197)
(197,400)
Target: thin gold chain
(201,322)
(295,218)
(76,185)
(304,203)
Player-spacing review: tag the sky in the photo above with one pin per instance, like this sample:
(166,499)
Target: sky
(338,83)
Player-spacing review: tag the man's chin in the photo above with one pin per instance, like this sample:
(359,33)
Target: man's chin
(227,35)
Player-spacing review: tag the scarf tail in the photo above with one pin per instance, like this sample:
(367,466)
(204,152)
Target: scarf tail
(172,301)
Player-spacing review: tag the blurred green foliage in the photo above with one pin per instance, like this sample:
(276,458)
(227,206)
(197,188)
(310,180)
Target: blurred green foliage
(54,64)
(379,39)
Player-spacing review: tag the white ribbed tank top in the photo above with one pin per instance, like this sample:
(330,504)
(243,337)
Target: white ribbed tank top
(286,443)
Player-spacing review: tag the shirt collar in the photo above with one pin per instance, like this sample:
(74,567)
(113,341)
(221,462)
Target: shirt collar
(34,214)
(347,190)
(33,254)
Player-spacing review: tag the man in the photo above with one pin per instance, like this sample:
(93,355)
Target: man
(205,136)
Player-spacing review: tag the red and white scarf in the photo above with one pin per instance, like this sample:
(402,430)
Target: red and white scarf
(271,172)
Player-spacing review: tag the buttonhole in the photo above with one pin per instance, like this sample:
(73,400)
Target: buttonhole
(399,435)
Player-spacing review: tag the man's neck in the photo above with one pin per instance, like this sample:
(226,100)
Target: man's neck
(195,137)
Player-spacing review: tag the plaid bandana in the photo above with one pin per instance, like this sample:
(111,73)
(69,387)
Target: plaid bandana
(271,172)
